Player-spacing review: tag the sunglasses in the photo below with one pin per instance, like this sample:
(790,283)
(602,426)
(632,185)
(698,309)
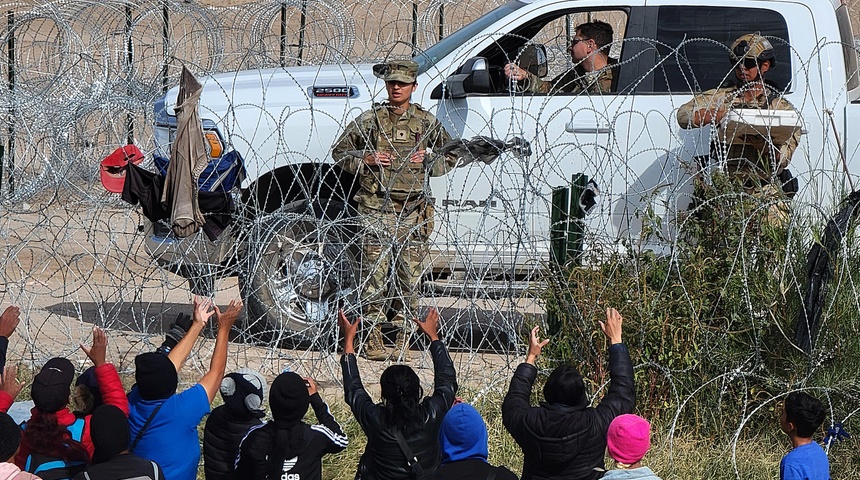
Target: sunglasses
(395,83)
(748,63)
(575,40)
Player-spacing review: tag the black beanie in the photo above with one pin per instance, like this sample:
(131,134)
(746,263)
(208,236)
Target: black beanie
(155,375)
(10,437)
(50,390)
(289,398)
(109,432)
(565,386)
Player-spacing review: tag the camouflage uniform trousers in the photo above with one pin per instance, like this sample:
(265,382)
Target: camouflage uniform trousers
(395,255)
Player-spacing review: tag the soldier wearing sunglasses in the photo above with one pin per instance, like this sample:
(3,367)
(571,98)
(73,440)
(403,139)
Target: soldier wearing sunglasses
(592,72)
(756,160)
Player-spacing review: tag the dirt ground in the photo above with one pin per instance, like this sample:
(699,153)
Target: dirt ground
(73,267)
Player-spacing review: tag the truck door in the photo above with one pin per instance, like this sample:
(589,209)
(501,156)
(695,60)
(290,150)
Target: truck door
(689,55)
(501,212)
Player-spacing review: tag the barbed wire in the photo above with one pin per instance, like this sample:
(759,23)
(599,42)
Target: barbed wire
(80,78)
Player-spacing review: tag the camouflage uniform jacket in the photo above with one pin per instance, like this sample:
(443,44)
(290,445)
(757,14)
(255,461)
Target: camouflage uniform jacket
(575,80)
(752,155)
(402,184)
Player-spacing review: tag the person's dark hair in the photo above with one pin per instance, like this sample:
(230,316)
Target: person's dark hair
(565,386)
(44,435)
(600,32)
(805,412)
(401,393)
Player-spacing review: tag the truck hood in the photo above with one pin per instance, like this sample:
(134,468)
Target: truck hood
(291,87)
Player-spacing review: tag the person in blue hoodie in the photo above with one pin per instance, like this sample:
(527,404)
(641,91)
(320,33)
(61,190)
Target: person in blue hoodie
(463,441)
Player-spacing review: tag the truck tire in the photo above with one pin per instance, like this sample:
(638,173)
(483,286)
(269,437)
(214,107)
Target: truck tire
(302,263)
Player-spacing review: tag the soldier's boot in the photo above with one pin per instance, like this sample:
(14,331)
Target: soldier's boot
(374,347)
(401,346)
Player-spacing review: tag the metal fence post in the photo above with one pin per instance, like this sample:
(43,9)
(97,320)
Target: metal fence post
(129,59)
(10,128)
(302,21)
(165,42)
(283,39)
(441,21)
(414,29)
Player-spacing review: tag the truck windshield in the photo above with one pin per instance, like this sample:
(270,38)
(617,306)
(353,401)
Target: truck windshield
(429,57)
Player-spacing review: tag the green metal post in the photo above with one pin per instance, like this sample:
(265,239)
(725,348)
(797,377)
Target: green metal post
(575,227)
(558,228)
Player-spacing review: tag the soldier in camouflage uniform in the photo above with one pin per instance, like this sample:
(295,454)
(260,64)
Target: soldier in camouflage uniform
(389,148)
(754,159)
(589,50)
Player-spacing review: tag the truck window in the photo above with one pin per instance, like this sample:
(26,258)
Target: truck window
(429,57)
(555,32)
(693,45)
(849,49)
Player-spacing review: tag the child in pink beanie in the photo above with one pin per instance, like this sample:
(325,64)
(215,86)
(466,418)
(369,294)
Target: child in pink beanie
(628,440)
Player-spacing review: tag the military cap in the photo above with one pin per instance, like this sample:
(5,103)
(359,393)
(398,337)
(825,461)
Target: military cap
(752,45)
(397,71)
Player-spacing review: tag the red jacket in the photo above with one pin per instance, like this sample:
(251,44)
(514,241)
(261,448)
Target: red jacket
(6,401)
(112,393)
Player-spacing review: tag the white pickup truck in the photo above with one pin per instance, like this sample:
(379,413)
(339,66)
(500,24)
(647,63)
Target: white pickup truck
(292,242)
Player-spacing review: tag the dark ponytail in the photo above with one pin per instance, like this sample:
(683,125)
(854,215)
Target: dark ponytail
(401,394)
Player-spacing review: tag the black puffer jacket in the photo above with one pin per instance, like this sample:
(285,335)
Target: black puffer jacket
(560,441)
(382,458)
(222,434)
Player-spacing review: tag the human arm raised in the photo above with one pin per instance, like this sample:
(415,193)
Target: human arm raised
(444,375)
(211,381)
(203,311)
(620,398)
(349,330)
(8,322)
(110,385)
(535,346)
(328,426)
(10,387)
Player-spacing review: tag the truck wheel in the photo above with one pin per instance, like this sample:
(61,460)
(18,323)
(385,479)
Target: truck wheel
(302,264)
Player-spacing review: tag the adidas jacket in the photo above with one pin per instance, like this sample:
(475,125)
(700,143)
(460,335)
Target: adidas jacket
(258,460)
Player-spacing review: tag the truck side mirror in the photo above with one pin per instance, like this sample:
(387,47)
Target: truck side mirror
(472,77)
(532,58)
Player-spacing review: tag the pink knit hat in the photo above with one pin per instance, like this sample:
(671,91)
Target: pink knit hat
(629,438)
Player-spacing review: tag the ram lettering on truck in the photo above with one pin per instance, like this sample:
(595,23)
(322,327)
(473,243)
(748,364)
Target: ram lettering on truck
(293,242)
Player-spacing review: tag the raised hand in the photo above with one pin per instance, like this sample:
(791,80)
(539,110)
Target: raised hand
(227,318)
(9,382)
(535,345)
(430,324)
(612,327)
(312,385)
(98,351)
(203,310)
(9,320)
(349,330)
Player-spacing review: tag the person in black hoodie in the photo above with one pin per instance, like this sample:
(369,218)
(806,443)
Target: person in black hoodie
(463,438)
(401,413)
(112,460)
(287,448)
(565,438)
(243,392)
